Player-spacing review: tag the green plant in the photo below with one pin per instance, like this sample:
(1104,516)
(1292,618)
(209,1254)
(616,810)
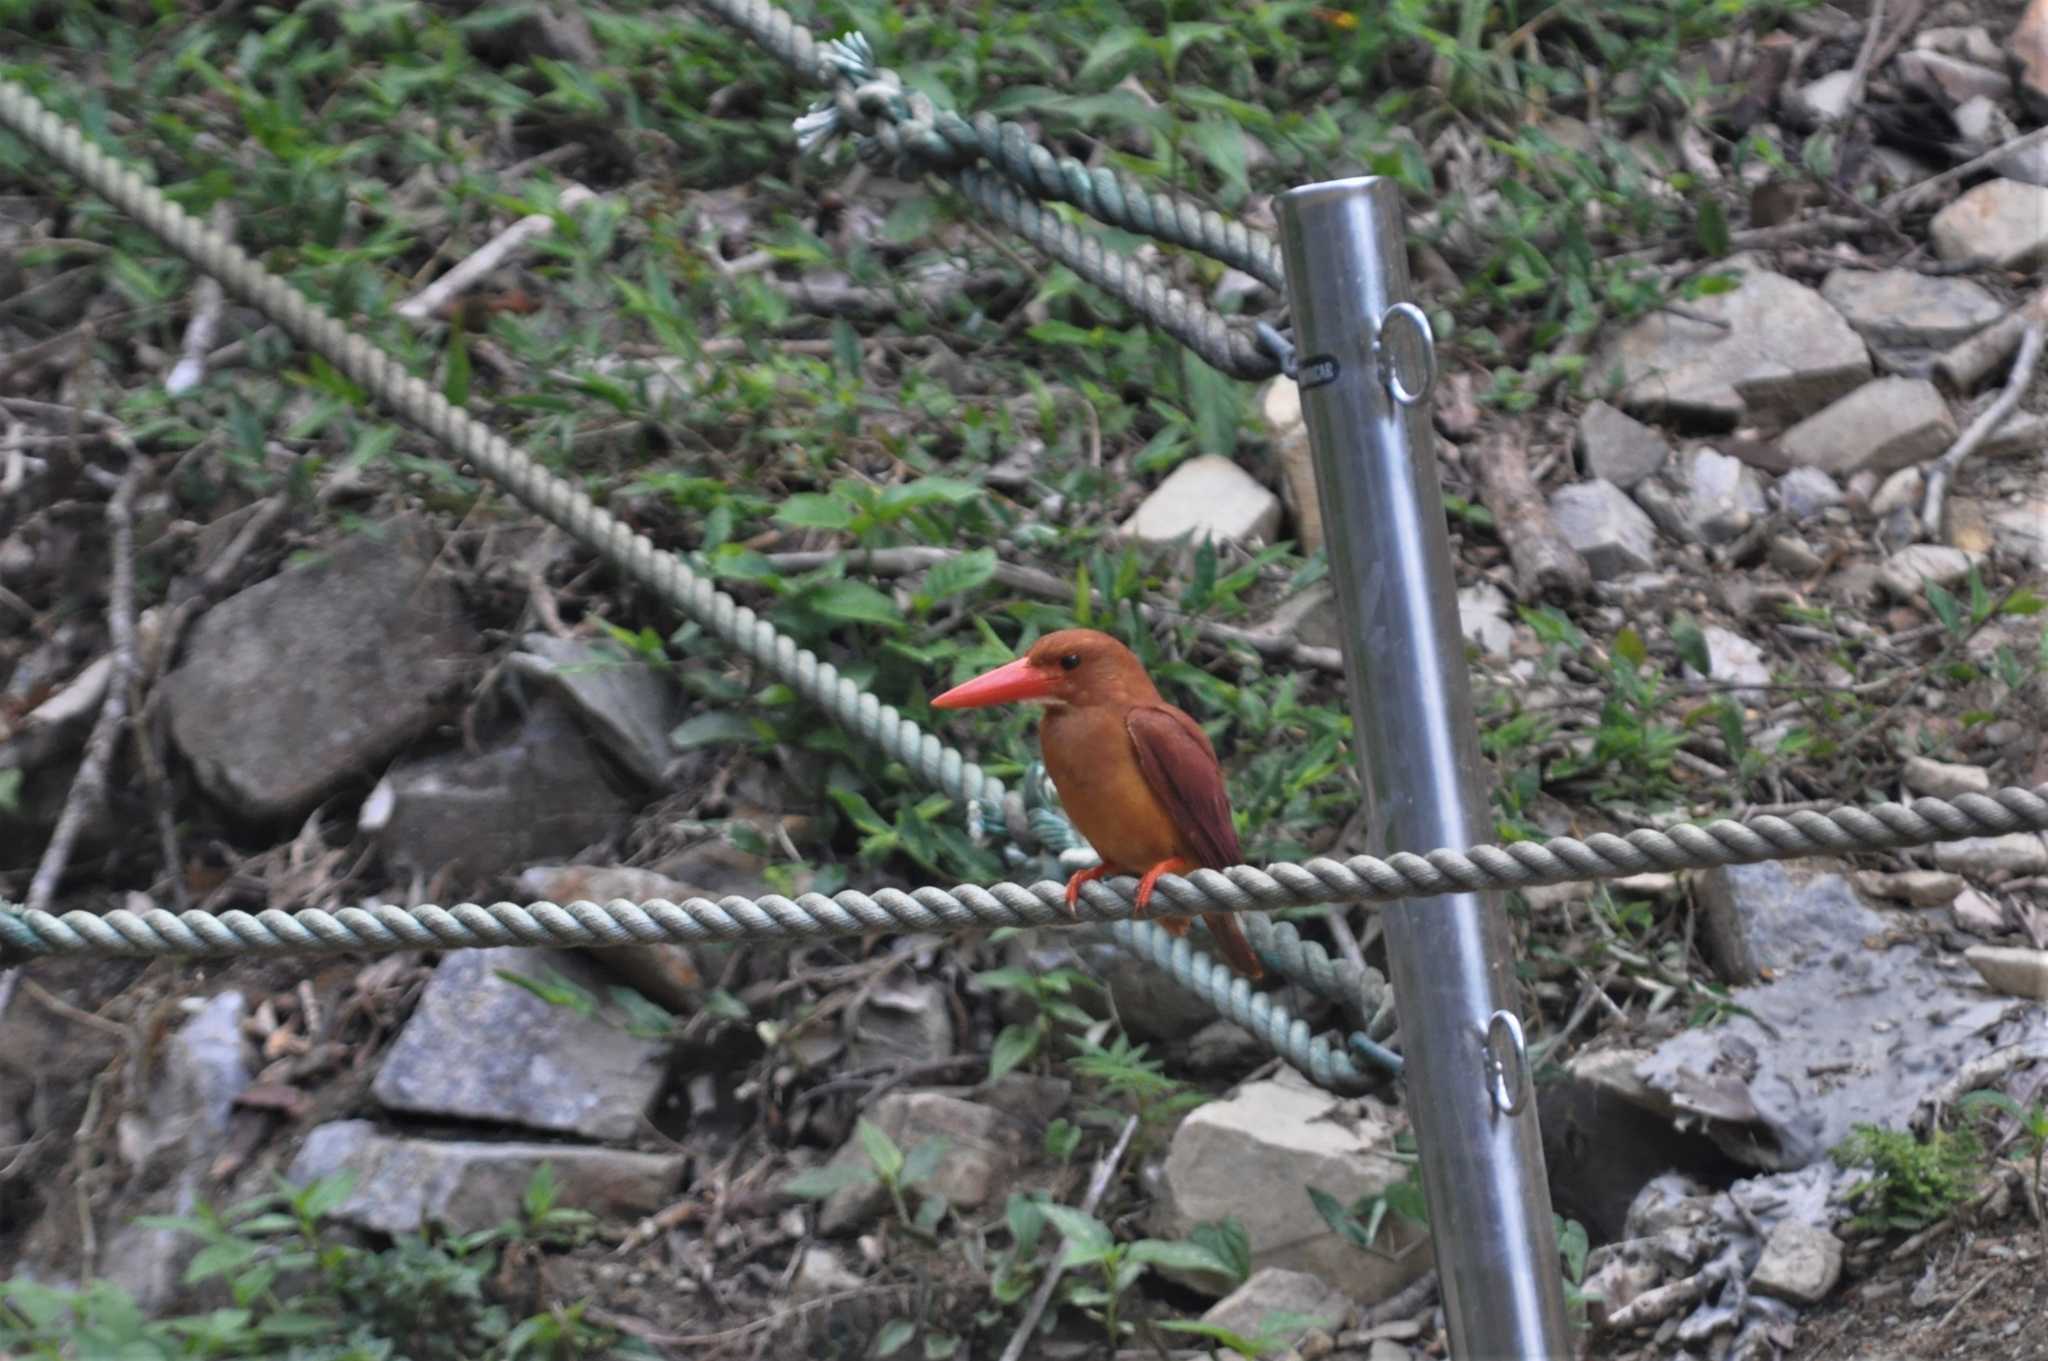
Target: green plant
(1047,994)
(2030,1127)
(1118,1265)
(296,1290)
(885,1164)
(1131,1083)
(1359,1223)
(1914,1182)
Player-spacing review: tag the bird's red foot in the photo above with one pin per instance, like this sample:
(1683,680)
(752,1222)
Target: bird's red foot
(1083,877)
(1177,865)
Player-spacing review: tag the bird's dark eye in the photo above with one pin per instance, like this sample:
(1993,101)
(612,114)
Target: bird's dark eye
(1070,661)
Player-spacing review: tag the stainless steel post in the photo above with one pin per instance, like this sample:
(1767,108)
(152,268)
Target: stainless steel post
(1365,365)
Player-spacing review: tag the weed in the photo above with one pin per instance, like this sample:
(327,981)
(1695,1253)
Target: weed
(1914,1183)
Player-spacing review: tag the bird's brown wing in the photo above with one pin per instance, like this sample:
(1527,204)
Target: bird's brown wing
(1181,770)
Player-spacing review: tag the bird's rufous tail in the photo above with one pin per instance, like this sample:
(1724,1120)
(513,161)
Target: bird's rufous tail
(1229,937)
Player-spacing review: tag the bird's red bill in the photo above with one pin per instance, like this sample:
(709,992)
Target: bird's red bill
(1007,684)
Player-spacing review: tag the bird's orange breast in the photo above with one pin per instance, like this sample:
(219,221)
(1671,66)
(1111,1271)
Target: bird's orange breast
(1088,754)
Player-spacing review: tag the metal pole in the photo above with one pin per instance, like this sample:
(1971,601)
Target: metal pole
(1366,364)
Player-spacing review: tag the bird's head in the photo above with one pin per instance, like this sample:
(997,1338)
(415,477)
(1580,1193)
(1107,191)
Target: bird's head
(1073,666)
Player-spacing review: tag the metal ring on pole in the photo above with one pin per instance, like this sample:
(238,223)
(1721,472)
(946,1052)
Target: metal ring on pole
(1390,371)
(1505,1050)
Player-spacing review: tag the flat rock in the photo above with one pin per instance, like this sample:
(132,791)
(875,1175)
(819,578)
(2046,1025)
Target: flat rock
(629,705)
(1766,918)
(2011,970)
(1607,529)
(1276,1302)
(1800,1263)
(2030,54)
(1976,913)
(1208,497)
(662,971)
(320,674)
(2014,854)
(1906,573)
(904,1023)
(404,1185)
(1905,309)
(1901,491)
(1951,79)
(1769,350)
(1618,448)
(1884,424)
(982,1151)
(1250,1157)
(1806,492)
(538,792)
(2003,221)
(1280,404)
(2022,530)
(480,1048)
(1943,779)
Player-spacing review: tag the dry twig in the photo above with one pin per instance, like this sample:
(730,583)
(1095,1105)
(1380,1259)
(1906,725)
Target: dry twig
(1098,1186)
(1981,429)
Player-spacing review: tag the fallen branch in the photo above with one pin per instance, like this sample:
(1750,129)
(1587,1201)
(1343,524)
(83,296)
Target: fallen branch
(896,562)
(209,300)
(1981,429)
(1965,365)
(1546,567)
(1098,1186)
(89,787)
(430,300)
(1904,198)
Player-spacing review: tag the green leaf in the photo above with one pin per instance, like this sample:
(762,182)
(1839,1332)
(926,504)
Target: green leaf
(855,601)
(1713,228)
(1691,644)
(1945,607)
(1628,645)
(1111,54)
(819,1182)
(712,728)
(882,1152)
(894,1336)
(940,1346)
(1013,1046)
(1178,1256)
(961,574)
(926,491)
(815,510)
(922,1164)
(1088,1238)
(1215,1332)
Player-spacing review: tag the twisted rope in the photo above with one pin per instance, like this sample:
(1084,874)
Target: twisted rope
(546,495)
(1243,888)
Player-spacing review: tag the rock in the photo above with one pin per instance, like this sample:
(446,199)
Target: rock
(403,1185)
(1906,573)
(2030,54)
(1764,917)
(1618,448)
(1975,912)
(983,1149)
(1607,1134)
(1151,1005)
(1251,1156)
(1223,1047)
(319,674)
(1823,101)
(537,793)
(2022,433)
(1281,1304)
(629,705)
(1944,779)
(2022,531)
(1971,42)
(1606,528)
(2014,854)
(2003,221)
(1483,615)
(2011,970)
(1806,492)
(1735,660)
(1724,497)
(1921,888)
(1208,497)
(909,1022)
(1800,1263)
(184,1121)
(1669,511)
(1793,556)
(480,1048)
(1281,406)
(1901,491)
(1903,309)
(1884,424)
(1951,79)
(1985,127)
(661,971)
(820,1272)
(1770,350)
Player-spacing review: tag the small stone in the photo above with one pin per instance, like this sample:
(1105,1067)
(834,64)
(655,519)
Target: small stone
(2022,531)
(1985,128)
(2009,969)
(1618,448)
(1208,497)
(1223,1047)
(1800,1263)
(982,1151)
(1944,779)
(403,1185)
(819,1271)
(2015,854)
(2029,48)
(1734,659)
(1825,100)
(1806,492)
(1906,573)
(1900,491)
(1483,615)
(1971,42)
(2003,221)
(2023,433)
(901,1026)
(1903,307)
(1793,556)
(1386,1349)
(1921,888)
(1977,913)
(1277,1299)
(1281,407)
(1951,79)
(1884,424)
(1609,531)
(626,702)
(1725,496)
